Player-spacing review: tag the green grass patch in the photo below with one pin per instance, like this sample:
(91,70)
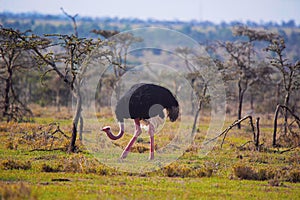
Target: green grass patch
(32,167)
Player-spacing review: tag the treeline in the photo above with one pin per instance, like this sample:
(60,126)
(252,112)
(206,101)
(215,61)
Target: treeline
(202,31)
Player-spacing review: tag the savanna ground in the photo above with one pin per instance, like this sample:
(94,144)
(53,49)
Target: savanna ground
(34,165)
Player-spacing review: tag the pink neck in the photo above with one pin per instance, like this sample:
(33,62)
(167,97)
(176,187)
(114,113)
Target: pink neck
(120,134)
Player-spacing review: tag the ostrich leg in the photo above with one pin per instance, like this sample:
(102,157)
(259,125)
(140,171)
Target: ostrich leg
(137,132)
(151,133)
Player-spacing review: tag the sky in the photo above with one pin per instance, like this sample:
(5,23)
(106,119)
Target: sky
(184,10)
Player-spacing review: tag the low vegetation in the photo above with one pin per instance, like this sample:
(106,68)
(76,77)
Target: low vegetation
(47,171)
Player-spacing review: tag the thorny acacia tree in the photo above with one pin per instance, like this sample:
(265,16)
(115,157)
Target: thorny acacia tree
(239,68)
(72,55)
(14,57)
(119,47)
(290,73)
(197,80)
(241,64)
(187,54)
(67,64)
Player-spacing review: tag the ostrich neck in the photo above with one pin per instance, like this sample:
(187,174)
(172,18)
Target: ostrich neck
(120,134)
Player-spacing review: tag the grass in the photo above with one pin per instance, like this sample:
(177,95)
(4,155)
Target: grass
(33,170)
(82,186)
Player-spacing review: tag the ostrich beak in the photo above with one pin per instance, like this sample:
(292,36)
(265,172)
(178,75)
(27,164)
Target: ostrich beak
(105,128)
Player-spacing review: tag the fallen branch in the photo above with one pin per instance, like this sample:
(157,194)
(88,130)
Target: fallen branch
(58,130)
(240,147)
(235,123)
(290,149)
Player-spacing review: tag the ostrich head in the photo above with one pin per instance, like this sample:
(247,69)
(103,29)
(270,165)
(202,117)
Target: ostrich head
(173,113)
(106,129)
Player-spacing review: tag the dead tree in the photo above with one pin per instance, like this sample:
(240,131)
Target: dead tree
(241,60)
(14,57)
(285,108)
(74,51)
(239,68)
(290,73)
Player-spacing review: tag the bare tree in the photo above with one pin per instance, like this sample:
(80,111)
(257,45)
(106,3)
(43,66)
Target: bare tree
(119,46)
(186,54)
(290,73)
(241,64)
(73,52)
(14,56)
(197,81)
(239,67)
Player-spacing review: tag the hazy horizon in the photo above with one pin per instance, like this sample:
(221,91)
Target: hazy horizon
(201,10)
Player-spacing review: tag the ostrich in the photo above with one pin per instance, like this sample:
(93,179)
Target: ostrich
(143,102)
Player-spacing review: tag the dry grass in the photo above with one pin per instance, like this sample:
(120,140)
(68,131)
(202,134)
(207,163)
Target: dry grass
(16,191)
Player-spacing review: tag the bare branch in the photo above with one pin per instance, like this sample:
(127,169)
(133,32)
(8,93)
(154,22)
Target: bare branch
(235,123)
(73,18)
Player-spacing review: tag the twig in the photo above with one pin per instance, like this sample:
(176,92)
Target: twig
(73,18)
(292,148)
(245,144)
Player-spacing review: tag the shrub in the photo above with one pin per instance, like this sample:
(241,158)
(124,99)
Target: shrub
(176,170)
(10,145)
(202,172)
(11,164)
(274,182)
(78,163)
(19,191)
(294,175)
(47,168)
(244,172)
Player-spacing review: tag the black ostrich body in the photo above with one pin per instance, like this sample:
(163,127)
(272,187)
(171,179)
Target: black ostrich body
(144,101)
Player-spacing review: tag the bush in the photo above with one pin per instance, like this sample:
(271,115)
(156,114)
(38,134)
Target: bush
(274,182)
(294,175)
(202,172)
(265,174)
(182,170)
(47,168)
(244,172)
(19,191)
(11,164)
(176,170)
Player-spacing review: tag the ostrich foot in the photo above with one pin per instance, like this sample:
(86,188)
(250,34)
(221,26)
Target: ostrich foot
(151,156)
(124,154)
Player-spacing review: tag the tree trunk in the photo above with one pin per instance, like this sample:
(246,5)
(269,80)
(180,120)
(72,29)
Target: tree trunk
(192,98)
(251,102)
(240,107)
(8,85)
(57,101)
(77,115)
(199,109)
(257,134)
(80,127)
(286,104)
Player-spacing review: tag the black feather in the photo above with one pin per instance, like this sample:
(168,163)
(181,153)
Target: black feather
(144,101)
